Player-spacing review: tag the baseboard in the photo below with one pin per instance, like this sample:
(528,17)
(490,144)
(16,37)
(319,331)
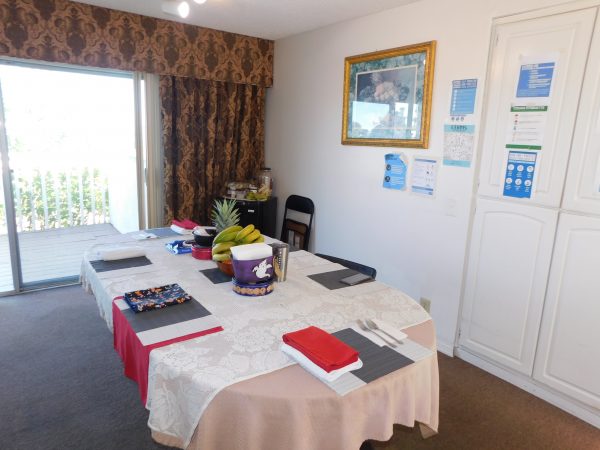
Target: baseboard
(557,399)
(445,348)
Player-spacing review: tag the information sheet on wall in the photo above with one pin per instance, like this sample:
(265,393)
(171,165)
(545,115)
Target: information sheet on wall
(424,176)
(520,174)
(535,77)
(464,93)
(527,123)
(459,129)
(459,140)
(395,171)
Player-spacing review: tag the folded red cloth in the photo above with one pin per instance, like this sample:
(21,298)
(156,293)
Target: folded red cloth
(325,350)
(185,223)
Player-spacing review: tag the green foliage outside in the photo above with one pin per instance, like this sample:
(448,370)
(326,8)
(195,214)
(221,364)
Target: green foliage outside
(29,200)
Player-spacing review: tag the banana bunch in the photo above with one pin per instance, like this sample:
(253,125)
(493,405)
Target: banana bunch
(257,196)
(232,236)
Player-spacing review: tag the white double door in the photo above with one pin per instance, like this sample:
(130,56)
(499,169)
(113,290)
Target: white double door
(532,293)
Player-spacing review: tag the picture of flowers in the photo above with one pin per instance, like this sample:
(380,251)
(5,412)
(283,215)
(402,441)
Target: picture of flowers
(387,97)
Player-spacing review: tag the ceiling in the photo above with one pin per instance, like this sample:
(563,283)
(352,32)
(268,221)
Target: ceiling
(269,19)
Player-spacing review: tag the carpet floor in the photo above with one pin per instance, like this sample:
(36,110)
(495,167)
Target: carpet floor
(62,383)
(62,387)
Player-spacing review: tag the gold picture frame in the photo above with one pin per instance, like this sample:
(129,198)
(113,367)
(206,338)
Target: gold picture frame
(387,97)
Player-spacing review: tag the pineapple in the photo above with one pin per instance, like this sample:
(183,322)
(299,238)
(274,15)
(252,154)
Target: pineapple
(224,214)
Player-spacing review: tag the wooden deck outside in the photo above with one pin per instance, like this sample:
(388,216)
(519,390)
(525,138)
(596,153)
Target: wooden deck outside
(51,254)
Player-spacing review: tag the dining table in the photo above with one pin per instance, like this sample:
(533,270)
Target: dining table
(235,388)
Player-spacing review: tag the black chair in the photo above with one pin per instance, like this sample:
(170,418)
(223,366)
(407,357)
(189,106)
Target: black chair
(370,271)
(294,232)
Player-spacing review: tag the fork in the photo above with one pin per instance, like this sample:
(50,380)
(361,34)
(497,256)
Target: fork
(366,328)
(373,326)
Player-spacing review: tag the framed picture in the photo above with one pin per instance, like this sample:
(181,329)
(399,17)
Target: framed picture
(387,97)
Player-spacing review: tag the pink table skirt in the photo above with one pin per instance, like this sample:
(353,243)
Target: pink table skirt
(290,409)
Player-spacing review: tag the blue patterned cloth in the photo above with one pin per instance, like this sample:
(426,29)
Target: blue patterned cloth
(179,247)
(156,298)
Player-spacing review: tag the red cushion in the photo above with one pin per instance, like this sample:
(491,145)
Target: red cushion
(325,350)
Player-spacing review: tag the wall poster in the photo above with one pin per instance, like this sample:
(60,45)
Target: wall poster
(459,141)
(519,177)
(424,176)
(459,129)
(464,92)
(396,167)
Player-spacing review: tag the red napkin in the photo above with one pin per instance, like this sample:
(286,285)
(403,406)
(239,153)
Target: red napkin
(185,223)
(325,350)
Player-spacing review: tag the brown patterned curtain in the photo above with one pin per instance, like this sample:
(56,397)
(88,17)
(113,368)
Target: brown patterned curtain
(213,132)
(75,33)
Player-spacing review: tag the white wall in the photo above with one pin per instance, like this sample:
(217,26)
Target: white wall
(416,244)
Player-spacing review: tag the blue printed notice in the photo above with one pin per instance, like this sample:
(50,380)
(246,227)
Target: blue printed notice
(520,170)
(463,97)
(535,80)
(395,172)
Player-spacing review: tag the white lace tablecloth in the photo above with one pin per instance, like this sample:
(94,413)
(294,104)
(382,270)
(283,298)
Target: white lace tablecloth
(185,377)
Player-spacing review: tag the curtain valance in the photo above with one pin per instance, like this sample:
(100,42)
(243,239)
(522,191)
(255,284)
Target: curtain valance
(74,33)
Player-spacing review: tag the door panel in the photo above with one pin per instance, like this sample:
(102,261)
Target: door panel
(6,271)
(7,250)
(506,279)
(566,36)
(582,190)
(568,355)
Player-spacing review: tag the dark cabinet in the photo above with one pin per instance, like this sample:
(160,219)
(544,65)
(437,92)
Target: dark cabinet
(263,215)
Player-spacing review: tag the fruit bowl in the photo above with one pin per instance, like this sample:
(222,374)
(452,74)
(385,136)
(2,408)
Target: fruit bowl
(226,267)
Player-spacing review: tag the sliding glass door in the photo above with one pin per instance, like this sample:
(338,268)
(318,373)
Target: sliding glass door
(8,264)
(71,151)
(6,277)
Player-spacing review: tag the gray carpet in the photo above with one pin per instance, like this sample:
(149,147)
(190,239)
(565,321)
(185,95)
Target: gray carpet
(62,384)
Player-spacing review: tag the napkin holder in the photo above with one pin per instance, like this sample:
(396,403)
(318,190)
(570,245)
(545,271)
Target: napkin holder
(253,271)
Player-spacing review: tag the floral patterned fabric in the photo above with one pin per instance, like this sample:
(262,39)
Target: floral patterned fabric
(156,298)
(213,132)
(74,33)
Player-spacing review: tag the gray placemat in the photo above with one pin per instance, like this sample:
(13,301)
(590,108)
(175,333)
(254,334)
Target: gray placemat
(156,318)
(377,361)
(162,232)
(331,280)
(117,264)
(215,275)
